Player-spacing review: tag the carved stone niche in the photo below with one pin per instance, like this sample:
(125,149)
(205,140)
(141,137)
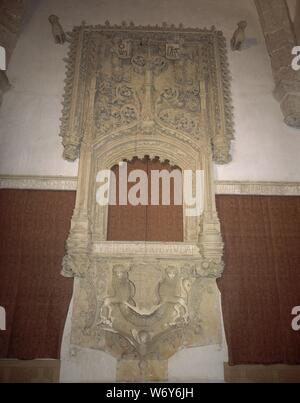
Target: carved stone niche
(136,91)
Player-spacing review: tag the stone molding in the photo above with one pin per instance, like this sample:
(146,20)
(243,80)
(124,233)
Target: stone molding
(68,183)
(38,182)
(29,371)
(258,188)
(278,373)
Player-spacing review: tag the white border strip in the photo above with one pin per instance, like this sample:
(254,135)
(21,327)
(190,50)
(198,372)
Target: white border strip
(258,188)
(38,182)
(222,187)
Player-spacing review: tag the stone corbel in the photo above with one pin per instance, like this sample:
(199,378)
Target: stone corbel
(280,40)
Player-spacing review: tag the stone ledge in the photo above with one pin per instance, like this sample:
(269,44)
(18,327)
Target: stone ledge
(32,371)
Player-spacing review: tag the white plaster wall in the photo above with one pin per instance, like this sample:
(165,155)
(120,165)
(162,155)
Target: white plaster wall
(83,365)
(265,148)
(200,365)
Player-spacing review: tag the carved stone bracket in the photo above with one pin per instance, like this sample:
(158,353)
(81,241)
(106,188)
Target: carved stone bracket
(146,321)
(280,40)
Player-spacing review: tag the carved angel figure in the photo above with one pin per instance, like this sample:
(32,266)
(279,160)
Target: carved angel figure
(57,30)
(239,36)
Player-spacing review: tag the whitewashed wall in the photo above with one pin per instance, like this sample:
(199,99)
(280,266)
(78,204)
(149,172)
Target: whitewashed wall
(265,149)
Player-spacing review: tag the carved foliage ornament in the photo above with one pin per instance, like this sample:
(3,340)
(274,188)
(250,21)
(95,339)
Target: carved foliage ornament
(149,79)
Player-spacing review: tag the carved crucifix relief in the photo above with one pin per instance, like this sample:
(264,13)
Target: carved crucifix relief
(162,93)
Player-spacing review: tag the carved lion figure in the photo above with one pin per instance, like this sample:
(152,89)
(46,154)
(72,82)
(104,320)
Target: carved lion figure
(174,290)
(123,293)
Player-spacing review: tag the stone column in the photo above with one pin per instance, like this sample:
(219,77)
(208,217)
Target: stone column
(280,39)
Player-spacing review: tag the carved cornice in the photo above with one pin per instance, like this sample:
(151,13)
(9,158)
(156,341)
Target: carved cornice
(154,28)
(146,248)
(222,187)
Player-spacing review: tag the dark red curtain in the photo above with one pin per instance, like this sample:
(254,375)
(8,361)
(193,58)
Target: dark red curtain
(146,223)
(260,286)
(261,283)
(33,229)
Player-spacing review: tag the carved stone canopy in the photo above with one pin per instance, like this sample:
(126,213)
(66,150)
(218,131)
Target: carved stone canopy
(148,80)
(130,92)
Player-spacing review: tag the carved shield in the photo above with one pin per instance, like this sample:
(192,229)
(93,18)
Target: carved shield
(146,278)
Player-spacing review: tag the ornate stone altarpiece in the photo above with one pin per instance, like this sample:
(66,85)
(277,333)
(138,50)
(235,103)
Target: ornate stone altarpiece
(130,92)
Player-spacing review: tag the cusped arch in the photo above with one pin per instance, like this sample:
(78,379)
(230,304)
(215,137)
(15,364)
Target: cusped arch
(125,147)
